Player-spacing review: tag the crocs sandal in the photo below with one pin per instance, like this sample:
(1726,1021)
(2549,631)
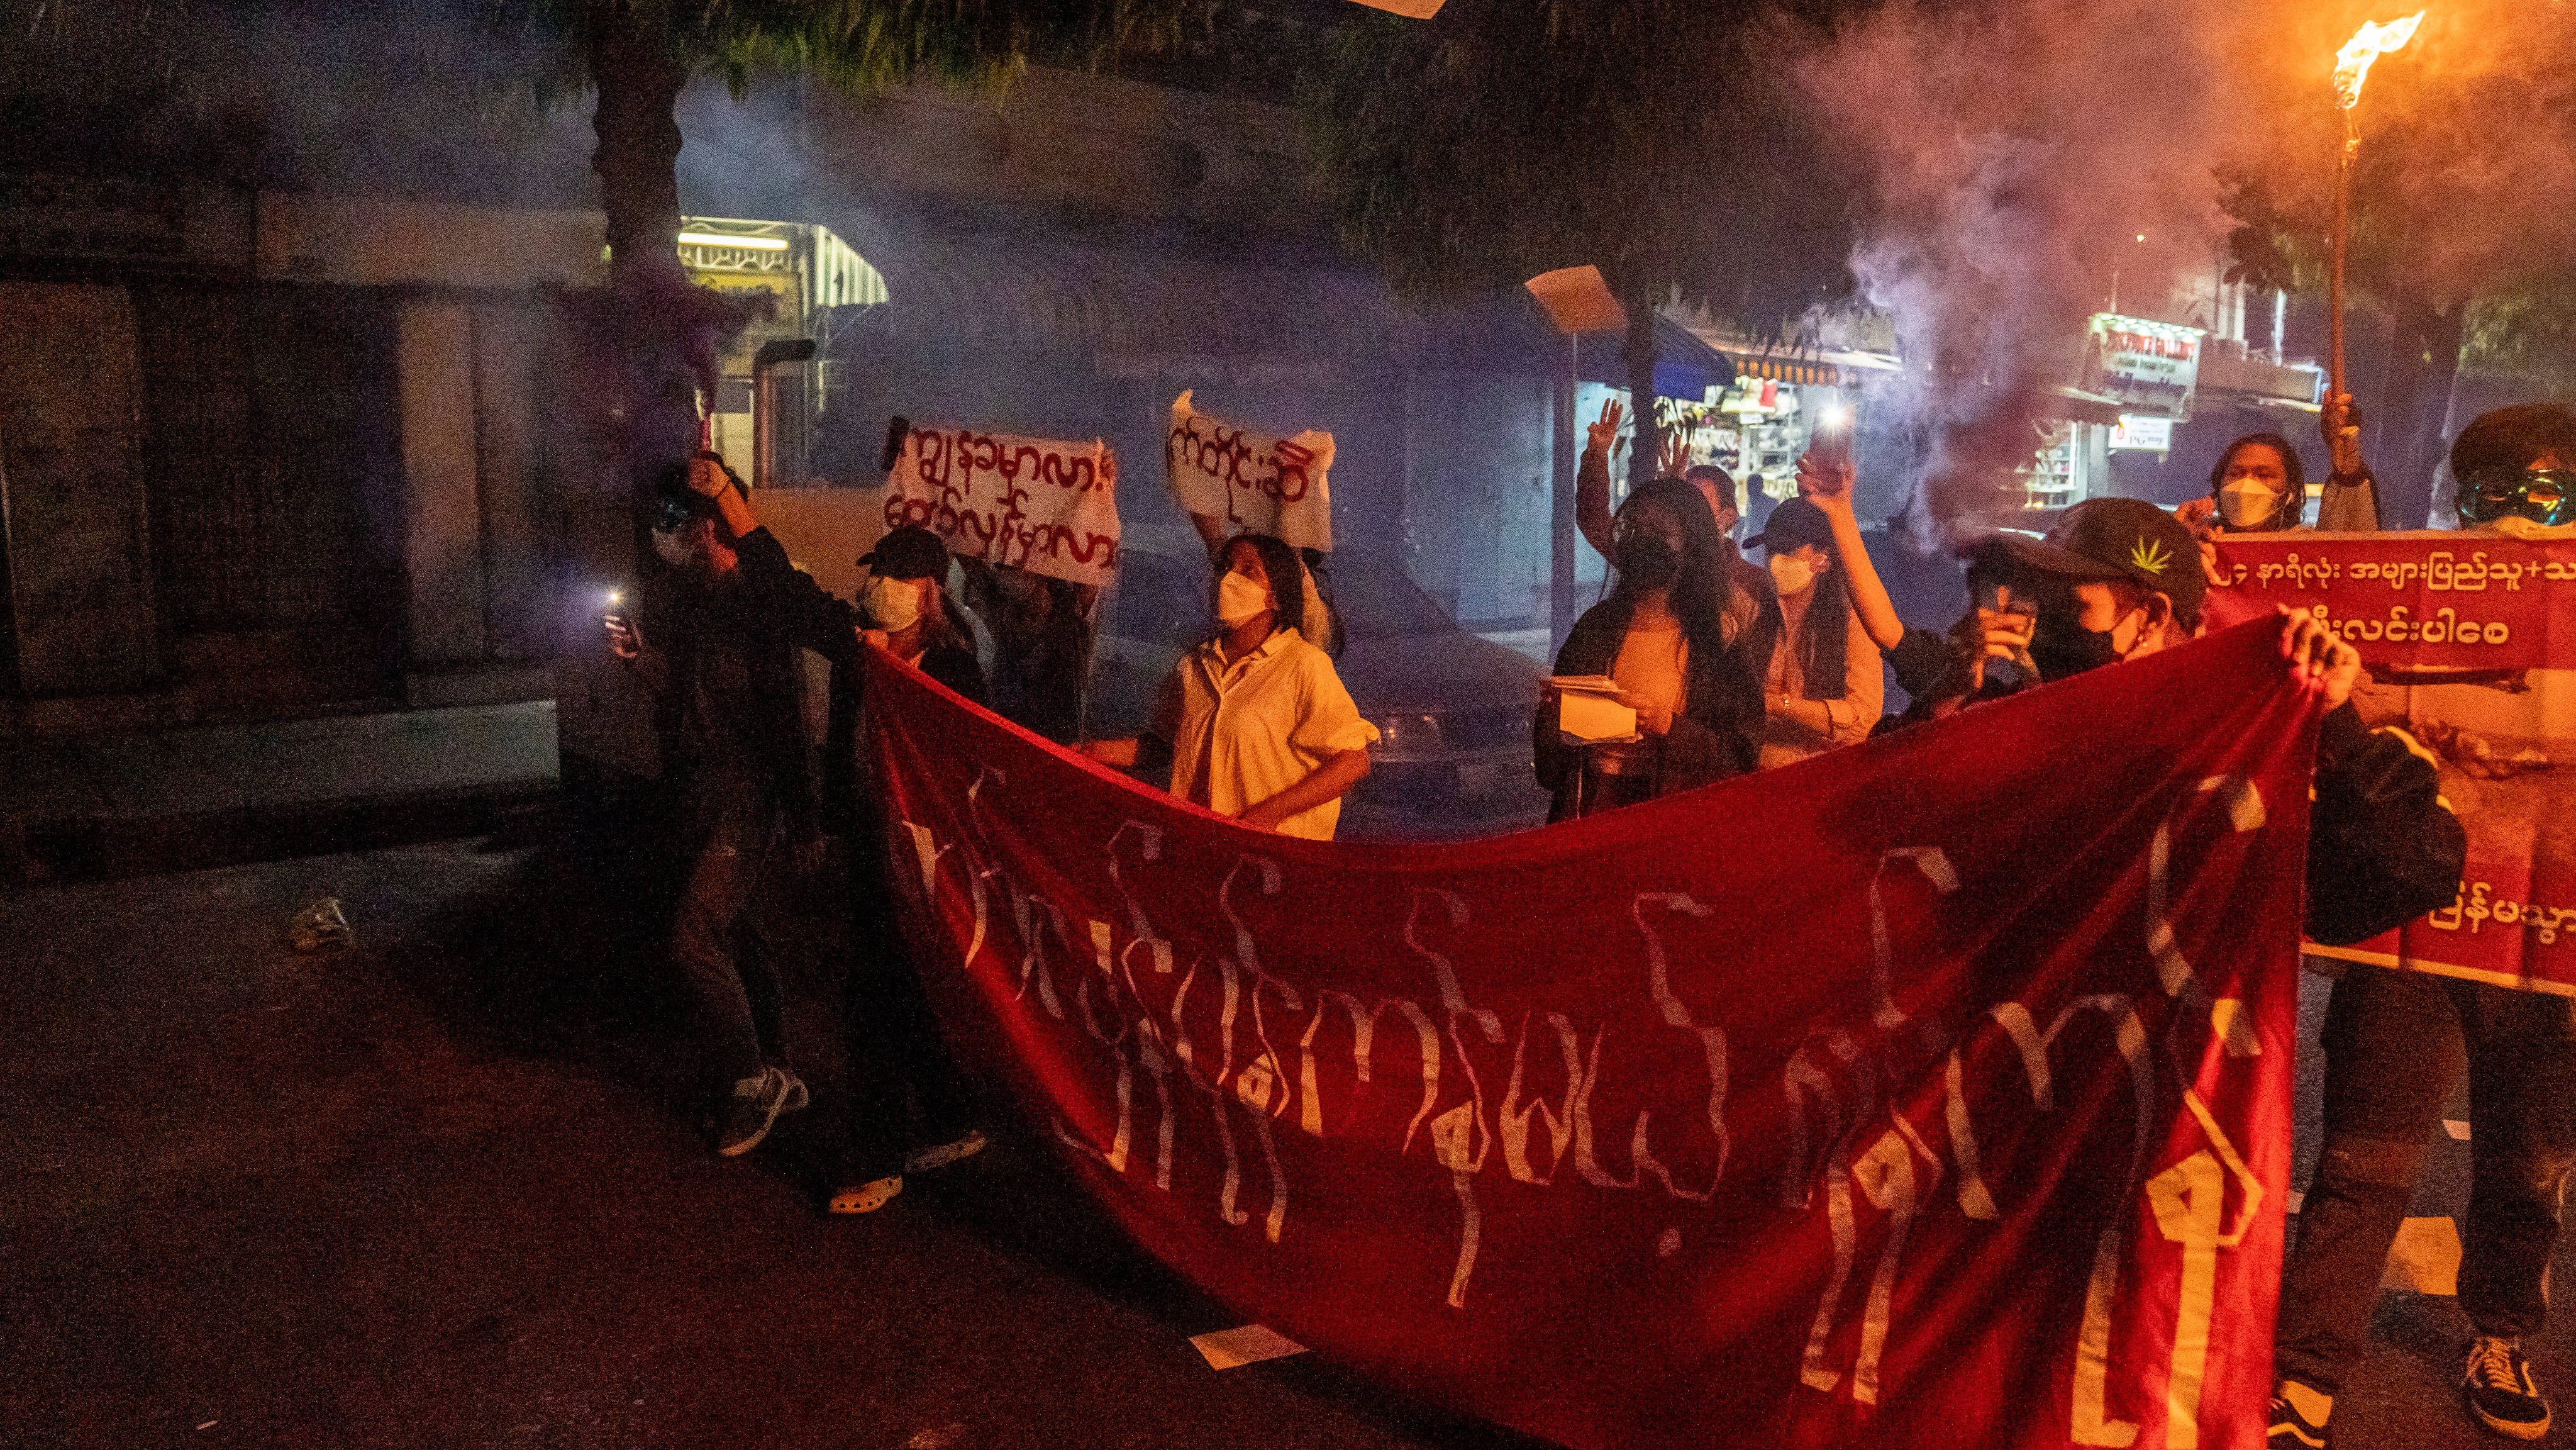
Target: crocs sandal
(944,1154)
(867,1197)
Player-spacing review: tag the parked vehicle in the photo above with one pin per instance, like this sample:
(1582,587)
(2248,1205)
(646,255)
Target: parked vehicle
(1453,708)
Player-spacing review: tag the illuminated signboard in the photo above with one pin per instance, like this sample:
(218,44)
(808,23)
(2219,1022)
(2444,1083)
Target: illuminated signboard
(2149,368)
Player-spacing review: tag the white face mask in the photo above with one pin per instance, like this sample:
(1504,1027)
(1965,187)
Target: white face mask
(2245,503)
(1238,599)
(895,604)
(1792,574)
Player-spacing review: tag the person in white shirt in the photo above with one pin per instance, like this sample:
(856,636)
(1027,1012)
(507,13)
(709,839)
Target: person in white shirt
(1257,724)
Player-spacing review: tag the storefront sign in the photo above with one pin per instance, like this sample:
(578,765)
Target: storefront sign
(2145,367)
(1581,1132)
(1256,483)
(1034,503)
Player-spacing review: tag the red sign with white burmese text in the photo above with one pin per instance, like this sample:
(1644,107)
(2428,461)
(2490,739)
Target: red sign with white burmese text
(2425,599)
(2470,644)
(1932,1093)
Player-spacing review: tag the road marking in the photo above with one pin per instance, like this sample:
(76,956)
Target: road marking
(1250,1344)
(2425,1257)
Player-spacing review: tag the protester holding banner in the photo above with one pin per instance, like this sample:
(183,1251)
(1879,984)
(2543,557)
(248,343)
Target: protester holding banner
(1258,725)
(2113,583)
(891,1041)
(1822,686)
(2397,1042)
(906,611)
(724,666)
(1663,635)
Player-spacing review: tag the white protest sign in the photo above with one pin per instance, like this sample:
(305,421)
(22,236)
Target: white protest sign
(1038,504)
(1260,485)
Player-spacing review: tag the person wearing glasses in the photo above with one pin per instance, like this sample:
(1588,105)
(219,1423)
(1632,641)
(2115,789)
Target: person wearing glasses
(2517,464)
(2396,1043)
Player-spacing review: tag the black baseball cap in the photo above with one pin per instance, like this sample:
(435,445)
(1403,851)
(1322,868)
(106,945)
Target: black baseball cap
(2103,539)
(910,552)
(1795,522)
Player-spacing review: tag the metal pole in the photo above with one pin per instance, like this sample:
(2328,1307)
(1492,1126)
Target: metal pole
(2342,244)
(1561,540)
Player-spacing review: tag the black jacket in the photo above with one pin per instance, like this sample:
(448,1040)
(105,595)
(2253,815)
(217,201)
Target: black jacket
(1715,736)
(2383,848)
(803,614)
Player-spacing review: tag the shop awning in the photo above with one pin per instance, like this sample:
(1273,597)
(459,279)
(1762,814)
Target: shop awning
(1805,367)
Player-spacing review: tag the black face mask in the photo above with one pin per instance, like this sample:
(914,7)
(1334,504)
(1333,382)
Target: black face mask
(1648,562)
(2062,648)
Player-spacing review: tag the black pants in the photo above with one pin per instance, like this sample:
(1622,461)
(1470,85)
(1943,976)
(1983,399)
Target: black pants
(2396,1043)
(896,1056)
(716,942)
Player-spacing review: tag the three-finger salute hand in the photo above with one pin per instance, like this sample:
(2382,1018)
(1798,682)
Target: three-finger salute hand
(1598,436)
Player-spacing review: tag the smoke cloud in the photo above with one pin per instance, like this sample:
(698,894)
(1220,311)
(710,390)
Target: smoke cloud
(2023,161)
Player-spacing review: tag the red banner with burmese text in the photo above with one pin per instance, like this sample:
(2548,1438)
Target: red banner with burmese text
(2496,712)
(1931,1093)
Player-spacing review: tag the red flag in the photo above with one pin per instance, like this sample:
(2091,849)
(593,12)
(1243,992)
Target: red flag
(1931,1093)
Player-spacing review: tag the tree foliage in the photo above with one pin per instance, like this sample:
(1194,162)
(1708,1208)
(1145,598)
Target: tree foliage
(864,45)
(1655,139)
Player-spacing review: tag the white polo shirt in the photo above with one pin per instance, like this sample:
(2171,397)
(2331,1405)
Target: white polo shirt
(1244,732)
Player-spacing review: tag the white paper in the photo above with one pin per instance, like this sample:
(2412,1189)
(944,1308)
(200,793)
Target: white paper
(1249,1344)
(1039,504)
(1594,717)
(1258,484)
(1578,300)
(2424,1258)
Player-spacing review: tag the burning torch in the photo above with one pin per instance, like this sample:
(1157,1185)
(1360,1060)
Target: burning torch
(2352,68)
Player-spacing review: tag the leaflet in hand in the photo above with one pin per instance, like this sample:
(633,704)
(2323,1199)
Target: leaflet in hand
(1587,708)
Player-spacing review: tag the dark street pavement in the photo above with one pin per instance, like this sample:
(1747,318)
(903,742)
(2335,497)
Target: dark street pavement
(440,1189)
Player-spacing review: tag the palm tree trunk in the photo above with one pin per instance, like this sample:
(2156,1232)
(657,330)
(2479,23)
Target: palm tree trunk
(660,324)
(1640,357)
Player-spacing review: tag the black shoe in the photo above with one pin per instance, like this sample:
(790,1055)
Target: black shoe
(2501,1391)
(2291,1427)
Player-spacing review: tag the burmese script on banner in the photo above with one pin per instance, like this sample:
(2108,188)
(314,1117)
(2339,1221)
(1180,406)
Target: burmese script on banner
(2425,599)
(1257,484)
(2470,639)
(1935,1093)
(1039,504)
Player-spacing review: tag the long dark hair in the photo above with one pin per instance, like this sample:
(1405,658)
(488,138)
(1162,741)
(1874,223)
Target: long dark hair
(1824,635)
(1699,591)
(2294,475)
(1287,578)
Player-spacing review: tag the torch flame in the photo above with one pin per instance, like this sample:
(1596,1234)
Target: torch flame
(2373,40)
